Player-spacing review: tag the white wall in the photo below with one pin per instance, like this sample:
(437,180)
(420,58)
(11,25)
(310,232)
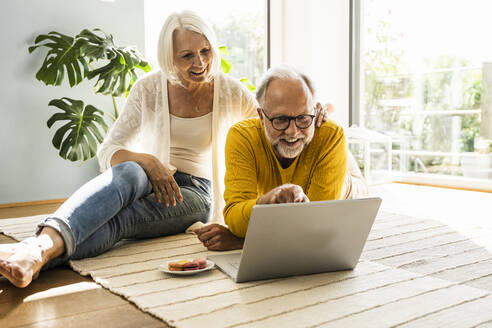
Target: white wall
(30,168)
(313,35)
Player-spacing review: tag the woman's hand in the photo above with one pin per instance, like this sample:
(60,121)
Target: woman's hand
(165,187)
(218,238)
(322,113)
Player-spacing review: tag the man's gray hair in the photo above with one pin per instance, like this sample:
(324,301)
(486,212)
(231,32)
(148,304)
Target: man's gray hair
(281,72)
(190,21)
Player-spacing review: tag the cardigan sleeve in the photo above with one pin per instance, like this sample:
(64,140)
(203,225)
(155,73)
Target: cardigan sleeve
(124,129)
(242,102)
(248,104)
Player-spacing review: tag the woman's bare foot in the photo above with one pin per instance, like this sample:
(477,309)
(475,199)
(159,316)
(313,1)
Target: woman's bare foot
(21,262)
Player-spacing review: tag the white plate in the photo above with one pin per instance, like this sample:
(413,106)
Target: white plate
(164,268)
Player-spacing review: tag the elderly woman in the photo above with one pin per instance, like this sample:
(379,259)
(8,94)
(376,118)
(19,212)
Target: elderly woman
(157,179)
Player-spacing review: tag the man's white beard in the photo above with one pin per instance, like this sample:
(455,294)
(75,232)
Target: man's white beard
(286,151)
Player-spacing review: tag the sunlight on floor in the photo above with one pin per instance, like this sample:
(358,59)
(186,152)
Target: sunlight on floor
(63,290)
(466,212)
(453,207)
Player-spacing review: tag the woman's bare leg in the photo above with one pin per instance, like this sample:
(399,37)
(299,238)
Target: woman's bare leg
(21,262)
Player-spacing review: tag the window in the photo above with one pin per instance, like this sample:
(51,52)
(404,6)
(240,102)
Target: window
(420,71)
(240,26)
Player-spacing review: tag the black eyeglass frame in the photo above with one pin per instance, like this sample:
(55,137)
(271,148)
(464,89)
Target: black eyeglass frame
(290,118)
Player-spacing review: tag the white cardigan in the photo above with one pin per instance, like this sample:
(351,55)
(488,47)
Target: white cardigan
(143,125)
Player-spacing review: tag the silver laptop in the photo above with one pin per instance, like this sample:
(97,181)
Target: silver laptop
(301,238)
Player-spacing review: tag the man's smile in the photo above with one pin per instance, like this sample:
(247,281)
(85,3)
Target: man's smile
(291,143)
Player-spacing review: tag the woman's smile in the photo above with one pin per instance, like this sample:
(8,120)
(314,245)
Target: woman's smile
(199,72)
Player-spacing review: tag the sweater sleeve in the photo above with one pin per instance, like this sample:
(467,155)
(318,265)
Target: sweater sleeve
(330,168)
(240,181)
(124,129)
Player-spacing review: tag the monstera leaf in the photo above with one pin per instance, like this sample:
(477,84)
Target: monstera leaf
(117,76)
(78,138)
(94,46)
(64,55)
(73,56)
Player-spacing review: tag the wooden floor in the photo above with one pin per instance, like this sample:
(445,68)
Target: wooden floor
(16,212)
(63,298)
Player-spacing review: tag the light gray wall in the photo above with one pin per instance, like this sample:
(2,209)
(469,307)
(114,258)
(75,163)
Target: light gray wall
(30,167)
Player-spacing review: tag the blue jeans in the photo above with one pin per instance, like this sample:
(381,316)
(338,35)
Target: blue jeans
(119,204)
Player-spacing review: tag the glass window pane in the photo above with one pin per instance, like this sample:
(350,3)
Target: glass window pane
(422,73)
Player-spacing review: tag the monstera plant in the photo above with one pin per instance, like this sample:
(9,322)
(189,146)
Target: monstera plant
(88,55)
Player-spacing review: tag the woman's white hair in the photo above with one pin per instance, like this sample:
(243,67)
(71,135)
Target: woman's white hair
(190,21)
(282,72)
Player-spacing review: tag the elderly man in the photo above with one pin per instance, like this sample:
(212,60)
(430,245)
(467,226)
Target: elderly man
(280,157)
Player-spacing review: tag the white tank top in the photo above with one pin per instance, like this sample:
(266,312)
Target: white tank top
(191,140)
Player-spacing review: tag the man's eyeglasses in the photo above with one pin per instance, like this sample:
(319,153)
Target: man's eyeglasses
(281,123)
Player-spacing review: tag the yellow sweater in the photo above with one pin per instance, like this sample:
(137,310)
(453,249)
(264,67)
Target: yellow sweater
(252,169)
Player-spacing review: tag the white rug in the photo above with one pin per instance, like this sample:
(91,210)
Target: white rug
(211,299)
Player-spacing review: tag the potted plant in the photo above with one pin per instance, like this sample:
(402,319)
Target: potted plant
(88,55)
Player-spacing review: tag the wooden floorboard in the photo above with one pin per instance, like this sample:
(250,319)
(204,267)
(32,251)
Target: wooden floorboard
(49,280)
(63,298)
(124,316)
(16,212)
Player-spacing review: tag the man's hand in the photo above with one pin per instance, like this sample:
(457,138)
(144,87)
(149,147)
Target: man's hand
(287,193)
(218,238)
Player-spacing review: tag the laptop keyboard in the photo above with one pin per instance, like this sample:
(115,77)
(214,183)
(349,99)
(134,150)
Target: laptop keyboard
(235,265)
